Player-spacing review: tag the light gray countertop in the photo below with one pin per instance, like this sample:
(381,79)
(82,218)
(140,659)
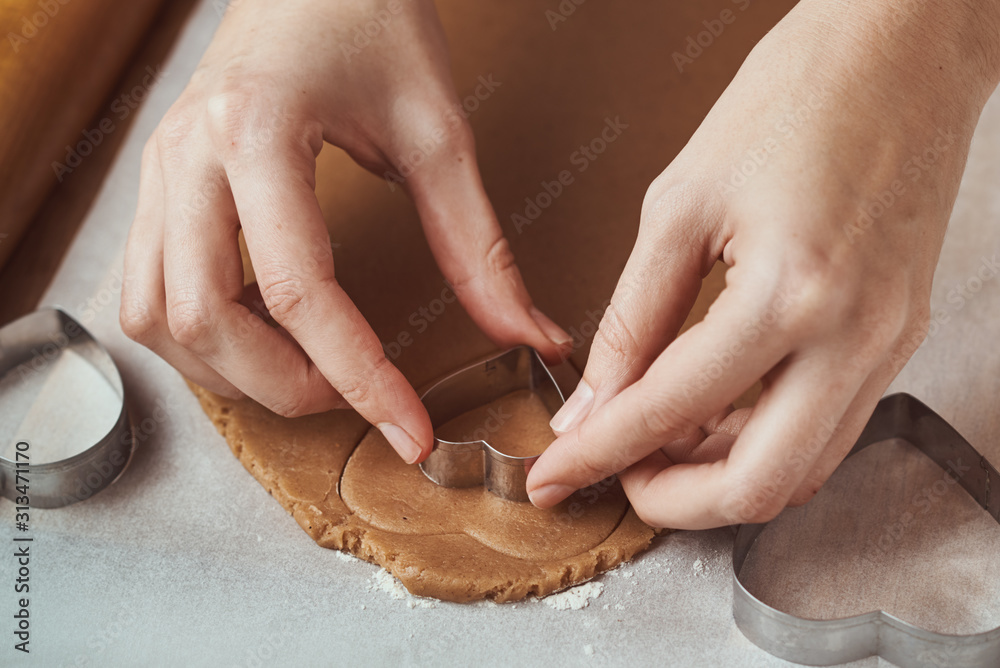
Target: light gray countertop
(187,560)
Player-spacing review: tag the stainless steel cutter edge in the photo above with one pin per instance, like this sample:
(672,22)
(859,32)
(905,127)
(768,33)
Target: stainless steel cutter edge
(473,463)
(66,481)
(828,642)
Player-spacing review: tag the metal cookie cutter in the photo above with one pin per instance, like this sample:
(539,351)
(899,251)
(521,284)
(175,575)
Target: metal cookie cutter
(827,642)
(473,463)
(29,345)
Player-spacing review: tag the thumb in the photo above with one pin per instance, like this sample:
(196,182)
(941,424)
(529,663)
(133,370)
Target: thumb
(473,254)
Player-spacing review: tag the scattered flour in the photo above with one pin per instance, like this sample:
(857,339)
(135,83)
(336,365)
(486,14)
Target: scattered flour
(344,556)
(699,567)
(627,574)
(607,606)
(420,602)
(384,582)
(588,650)
(575,598)
(619,606)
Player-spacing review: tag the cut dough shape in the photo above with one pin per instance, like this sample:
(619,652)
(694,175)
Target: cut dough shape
(452,544)
(516,424)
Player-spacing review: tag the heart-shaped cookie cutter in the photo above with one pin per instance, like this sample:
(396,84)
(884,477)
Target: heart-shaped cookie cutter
(40,337)
(473,463)
(827,642)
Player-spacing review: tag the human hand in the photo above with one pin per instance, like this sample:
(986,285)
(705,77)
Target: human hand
(824,177)
(237,150)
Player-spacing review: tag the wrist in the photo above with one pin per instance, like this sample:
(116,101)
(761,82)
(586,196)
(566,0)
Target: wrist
(938,53)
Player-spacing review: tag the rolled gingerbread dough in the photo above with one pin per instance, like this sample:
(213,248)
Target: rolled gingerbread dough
(452,544)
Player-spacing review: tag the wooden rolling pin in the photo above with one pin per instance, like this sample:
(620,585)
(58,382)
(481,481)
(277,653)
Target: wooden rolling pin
(58,63)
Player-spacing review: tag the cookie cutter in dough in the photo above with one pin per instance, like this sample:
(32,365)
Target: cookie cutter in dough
(473,463)
(827,642)
(27,346)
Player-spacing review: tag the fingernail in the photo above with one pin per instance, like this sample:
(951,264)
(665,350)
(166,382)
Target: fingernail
(574,410)
(401,442)
(550,495)
(552,331)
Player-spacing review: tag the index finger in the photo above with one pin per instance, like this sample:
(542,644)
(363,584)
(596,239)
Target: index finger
(293,260)
(698,375)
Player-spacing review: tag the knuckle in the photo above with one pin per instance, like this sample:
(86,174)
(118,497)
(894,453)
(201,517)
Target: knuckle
(286,299)
(436,119)
(671,198)
(243,122)
(138,318)
(614,337)
(890,325)
(291,405)
(434,132)
(361,387)
(752,502)
(820,291)
(229,113)
(189,320)
(914,334)
(174,131)
(659,419)
(498,262)
(884,331)
(499,258)
(457,138)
